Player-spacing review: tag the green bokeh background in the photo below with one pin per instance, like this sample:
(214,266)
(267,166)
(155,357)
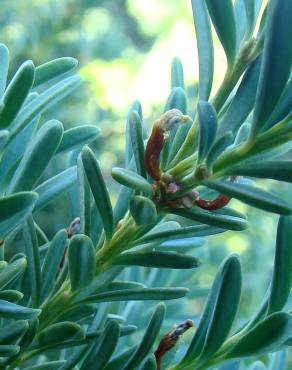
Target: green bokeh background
(124,49)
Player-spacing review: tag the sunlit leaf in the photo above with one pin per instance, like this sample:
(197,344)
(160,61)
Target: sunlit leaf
(161,235)
(76,137)
(16,93)
(282,274)
(279,360)
(132,180)
(54,68)
(225,308)
(240,21)
(208,128)
(55,186)
(52,262)
(144,294)
(52,365)
(178,139)
(282,108)
(78,313)
(8,350)
(276,64)
(277,170)
(11,295)
(136,107)
(177,99)
(250,15)
(258,365)
(264,337)
(117,285)
(4,134)
(100,355)
(15,149)
(177,73)
(218,148)
(12,271)
(33,260)
(157,259)
(33,325)
(121,359)
(143,210)
(60,332)
(135,129)
(122,204)
(14,311)
(4,64)
(12,332)
(214,311)
(242,133)
(223,19)
(84,199)
(14,208)
(205,48)
(99,189)
(36,157)
(219,220)
(243,100)
(44,101)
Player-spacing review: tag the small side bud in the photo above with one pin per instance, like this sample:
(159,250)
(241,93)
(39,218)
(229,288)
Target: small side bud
(202,173)
(173,187)
(167,178)
(74,227)
(170,340)
(189,199)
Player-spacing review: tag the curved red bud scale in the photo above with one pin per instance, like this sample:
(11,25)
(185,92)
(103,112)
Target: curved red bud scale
(212,205)
(153,149)
(155,144)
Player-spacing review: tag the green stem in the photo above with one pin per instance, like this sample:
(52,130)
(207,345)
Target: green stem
(273,138)
(121,241)
(63,299)
(55,306)
(184,166)
(230,158)
(247,53)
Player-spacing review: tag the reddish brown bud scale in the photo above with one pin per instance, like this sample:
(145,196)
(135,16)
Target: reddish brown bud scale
(155,144)
(153,149)
(221,201)
(170,340)
(212,205)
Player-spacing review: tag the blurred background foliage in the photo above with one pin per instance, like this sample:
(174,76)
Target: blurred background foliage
(124,49)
